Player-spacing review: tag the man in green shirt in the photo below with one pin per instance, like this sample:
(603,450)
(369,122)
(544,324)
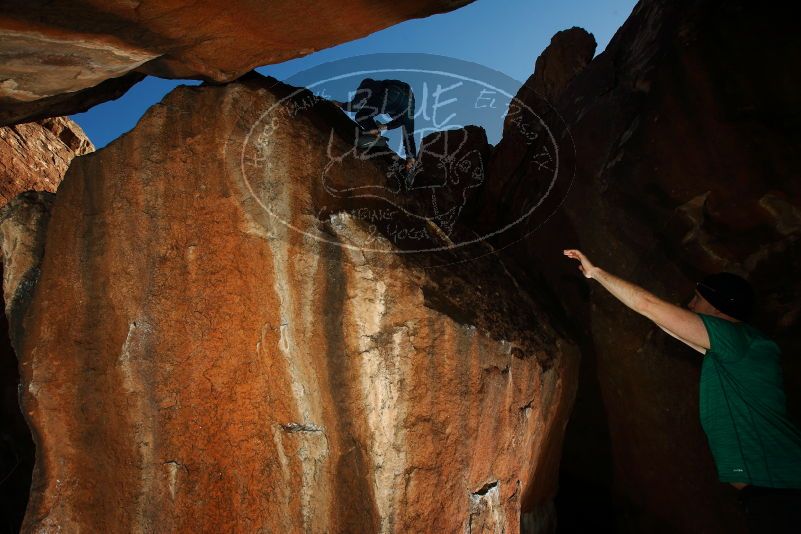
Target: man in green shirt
(757,449)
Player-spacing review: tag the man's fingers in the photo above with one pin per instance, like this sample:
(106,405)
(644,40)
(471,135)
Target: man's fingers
(577,255)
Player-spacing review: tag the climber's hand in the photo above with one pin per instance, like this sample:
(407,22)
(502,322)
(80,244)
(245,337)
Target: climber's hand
(374,132)
(586,268)
(410,163)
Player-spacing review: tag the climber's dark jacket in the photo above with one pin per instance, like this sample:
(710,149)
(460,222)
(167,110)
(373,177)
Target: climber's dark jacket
(393,97)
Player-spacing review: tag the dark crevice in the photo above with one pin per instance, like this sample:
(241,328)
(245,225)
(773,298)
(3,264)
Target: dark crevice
(17,451)
(483,490)
(300,427)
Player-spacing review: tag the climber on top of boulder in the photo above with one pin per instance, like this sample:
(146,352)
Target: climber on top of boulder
(392,97)
(756,448)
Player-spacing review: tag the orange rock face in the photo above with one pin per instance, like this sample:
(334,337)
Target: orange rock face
(50,49)
(36,155)
(204,352)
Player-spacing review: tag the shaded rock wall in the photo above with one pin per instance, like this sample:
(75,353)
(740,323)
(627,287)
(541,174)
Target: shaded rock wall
(33,159)
(203,352)
(687,158)
(519,168)
(23,223)
(453,166)
(567,54)
(17,452)
(54,48)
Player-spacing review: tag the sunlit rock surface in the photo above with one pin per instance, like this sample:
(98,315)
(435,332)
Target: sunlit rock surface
(49,50)
(36,155)
(205,351)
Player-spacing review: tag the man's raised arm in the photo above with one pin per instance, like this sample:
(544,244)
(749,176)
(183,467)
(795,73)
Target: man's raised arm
(683,324)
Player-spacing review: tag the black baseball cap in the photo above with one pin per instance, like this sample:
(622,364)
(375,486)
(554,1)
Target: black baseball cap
(728,293)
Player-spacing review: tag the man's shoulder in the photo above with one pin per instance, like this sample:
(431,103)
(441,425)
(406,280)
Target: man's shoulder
(753,334)
(721,325)
(731,340)
(731,327)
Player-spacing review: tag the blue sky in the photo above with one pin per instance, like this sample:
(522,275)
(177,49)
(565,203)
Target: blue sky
(505,35)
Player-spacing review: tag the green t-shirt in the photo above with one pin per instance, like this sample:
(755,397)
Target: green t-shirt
(743,409)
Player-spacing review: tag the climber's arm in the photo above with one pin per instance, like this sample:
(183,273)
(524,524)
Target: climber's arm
(691,345)
(395,122)
(683,324)
(363,94)
(351,105)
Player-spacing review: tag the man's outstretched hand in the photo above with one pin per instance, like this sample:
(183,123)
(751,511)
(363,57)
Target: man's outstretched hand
(586,268)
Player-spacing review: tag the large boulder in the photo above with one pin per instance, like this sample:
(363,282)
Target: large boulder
(53,55)
(687,162)
(217,343)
